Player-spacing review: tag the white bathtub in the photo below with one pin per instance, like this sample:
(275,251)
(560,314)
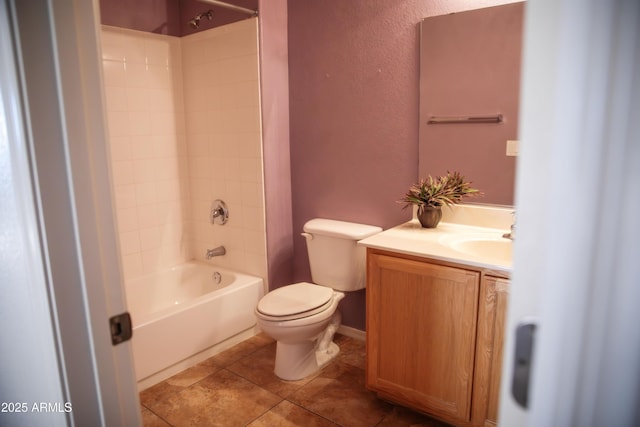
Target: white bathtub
(182,311)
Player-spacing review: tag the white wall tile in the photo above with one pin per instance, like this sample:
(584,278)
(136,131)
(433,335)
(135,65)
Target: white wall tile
(114,73)
(170,165)
(118,123)
(158,52)
(127,219)
(139,123)
(150,238)
(129,242)
(141,147)
(116,98)
(125,196)
(146,193)
(132,265)
(120,147)
(123,172)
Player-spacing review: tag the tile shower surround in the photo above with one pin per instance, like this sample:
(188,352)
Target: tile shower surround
(184,129)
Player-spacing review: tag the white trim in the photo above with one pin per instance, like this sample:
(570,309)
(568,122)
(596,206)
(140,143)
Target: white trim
(58,56)
(29,361)
(354,333)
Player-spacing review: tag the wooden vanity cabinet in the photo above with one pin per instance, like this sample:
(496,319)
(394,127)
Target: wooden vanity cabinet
(494,295)
(431,341)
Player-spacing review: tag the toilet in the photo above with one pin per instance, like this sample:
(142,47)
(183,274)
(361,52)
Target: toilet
(303,317)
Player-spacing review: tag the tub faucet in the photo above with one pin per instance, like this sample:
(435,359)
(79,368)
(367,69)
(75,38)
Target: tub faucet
(512,234)
(219,251)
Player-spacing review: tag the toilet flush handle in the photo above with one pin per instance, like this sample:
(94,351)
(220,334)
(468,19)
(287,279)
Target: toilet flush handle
(307,236)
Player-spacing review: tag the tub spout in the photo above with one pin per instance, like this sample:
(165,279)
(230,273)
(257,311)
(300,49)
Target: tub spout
(219,251)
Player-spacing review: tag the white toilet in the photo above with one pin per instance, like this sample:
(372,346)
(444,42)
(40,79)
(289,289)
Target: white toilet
(303,317)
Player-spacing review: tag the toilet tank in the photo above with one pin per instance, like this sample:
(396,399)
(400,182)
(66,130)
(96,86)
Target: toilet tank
(335,258)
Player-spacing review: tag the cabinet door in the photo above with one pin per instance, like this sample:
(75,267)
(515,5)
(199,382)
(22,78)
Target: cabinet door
(494,294)
(421,329)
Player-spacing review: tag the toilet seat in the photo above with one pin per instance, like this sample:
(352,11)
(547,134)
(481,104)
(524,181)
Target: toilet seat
(295,301)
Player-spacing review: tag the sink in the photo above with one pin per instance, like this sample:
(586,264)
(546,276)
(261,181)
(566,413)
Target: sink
(492,249)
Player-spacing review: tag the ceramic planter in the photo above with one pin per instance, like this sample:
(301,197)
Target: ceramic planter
(429,217)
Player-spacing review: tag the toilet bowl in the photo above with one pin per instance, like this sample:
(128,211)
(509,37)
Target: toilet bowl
(304,333)
(303,317)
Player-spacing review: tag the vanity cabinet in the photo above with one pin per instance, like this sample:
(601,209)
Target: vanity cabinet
(432,341)
(494,294)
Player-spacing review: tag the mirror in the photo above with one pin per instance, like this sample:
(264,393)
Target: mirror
(469,94)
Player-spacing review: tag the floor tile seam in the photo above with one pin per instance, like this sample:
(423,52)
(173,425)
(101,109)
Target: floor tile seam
(201,379)
(384,417)
(265,412)
(283,396)
(178,392)
(245,378)
(314,412)
(256,384)
(161,417)
(243,356)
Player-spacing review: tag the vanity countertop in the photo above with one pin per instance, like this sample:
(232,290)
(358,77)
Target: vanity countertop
(482,247)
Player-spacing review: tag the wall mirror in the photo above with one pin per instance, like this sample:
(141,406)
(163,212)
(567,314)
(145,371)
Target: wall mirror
(469,94)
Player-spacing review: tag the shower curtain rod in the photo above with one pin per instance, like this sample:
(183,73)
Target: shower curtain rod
(231,7)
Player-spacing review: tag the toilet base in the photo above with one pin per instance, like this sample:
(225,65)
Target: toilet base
(295,361)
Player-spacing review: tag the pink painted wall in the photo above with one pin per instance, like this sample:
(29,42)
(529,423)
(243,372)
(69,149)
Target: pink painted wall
(153,16)
(274,83)
(354,78)
(221,16)
(170,17)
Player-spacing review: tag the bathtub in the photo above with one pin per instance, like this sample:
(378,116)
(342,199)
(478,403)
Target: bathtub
(183,311)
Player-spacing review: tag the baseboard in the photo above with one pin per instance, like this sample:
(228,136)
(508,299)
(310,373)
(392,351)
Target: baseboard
(352,333)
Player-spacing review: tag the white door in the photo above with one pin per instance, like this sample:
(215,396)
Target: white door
(576,261)
(61,279)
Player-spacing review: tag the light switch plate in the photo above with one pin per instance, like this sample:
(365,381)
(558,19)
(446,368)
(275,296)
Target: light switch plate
(513,147)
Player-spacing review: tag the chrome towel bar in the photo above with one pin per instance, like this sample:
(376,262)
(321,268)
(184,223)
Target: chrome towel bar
(494,118)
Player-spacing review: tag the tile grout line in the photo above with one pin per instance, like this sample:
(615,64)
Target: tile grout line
(282,395)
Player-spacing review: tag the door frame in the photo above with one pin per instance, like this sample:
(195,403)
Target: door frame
(59,78)
(576,270)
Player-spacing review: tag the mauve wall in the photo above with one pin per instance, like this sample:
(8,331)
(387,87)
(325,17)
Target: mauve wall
(353,81)
(169,17)
(153,16)
(274,89)
(221,16)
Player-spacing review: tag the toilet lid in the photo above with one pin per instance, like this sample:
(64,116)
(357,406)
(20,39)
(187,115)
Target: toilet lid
(295,299)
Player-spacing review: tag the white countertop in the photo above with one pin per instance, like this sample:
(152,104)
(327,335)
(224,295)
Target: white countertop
(440,243)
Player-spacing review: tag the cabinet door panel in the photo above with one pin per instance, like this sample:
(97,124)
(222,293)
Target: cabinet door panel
(421,333)
(494,294)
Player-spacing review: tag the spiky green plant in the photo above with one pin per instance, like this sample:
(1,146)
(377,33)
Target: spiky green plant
(445,190)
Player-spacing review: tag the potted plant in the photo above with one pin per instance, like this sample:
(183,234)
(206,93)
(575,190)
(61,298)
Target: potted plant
(430,194)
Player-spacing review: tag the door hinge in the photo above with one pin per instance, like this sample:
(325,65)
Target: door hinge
(120,326)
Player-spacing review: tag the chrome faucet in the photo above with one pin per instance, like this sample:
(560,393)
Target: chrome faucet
(219,251)
(219,212)
(512,234)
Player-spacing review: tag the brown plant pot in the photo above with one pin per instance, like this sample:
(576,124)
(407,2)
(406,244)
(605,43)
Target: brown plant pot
(429,217)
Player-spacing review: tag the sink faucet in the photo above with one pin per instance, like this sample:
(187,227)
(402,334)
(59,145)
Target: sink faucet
(512,234)
(219,251)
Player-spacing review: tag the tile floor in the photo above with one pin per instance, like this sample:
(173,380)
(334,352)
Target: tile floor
(238,388)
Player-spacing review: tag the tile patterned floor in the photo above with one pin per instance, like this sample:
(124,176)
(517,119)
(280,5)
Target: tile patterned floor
(238,388)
